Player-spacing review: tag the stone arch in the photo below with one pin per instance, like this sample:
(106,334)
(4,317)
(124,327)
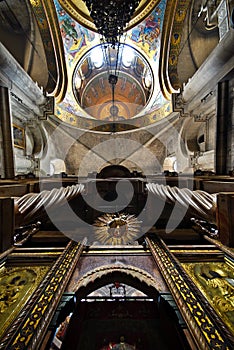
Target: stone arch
(131,275)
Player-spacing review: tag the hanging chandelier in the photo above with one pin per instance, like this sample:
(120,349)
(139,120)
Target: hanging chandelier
(111,17)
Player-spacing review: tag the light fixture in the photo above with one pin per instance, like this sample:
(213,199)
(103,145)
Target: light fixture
(111,18)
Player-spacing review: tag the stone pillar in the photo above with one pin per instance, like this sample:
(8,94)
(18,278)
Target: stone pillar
(6,128)
(222,127)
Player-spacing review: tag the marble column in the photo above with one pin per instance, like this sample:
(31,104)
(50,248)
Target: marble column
(6,125)
(222,127)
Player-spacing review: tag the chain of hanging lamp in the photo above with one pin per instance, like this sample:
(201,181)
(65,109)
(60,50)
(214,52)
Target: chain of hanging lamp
(111,18)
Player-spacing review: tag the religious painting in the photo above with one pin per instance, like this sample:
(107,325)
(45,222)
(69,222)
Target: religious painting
(19,136)
(216,281)
(16,286)
(60,333)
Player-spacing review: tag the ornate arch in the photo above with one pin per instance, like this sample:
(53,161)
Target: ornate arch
(98,277)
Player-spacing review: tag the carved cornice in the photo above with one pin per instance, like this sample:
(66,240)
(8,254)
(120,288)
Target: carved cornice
(27,99)
(202,117)
(200,89)
(27,331)
(48,108)
(203,112)
(207,329)
(178,105)
(18,81)
(21,110)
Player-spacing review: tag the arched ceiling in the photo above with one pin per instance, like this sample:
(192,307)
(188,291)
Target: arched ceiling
(144,40)
(153,35)
(94,93)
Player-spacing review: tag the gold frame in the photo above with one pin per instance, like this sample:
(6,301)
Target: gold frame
(13,292)
(20,141)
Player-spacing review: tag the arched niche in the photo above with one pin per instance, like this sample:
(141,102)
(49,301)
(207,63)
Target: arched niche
(114,171)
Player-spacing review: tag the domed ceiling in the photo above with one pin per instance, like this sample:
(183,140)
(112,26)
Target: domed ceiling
(94,92)
(89,101)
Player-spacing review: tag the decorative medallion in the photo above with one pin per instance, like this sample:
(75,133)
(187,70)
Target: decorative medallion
(116,229)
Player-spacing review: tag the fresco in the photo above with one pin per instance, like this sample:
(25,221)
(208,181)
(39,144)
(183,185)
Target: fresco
(75,37)
(147,34)
(78,40)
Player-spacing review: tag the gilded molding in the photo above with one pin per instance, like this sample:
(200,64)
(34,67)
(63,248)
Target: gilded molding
(208,330)
(217,243)
(56,37)
(47,21)
(78,13)
(195,251)
(170,45)
(30,327)
(175,42)
(43,26)
(144,9)
(164,51)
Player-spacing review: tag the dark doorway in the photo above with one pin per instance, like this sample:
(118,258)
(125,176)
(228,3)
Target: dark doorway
(95,324)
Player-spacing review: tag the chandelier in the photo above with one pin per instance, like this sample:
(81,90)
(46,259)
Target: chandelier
(111,17)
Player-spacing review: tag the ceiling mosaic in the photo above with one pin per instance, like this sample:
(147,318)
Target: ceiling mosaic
(145,37)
